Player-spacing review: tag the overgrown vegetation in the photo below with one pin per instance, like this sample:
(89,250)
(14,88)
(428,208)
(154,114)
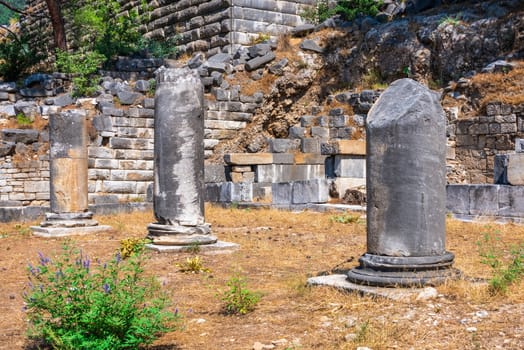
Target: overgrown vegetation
(347,9)
(194,264)
(6,14)
(507,265)
(83,66)
(16,55)
(238,298)
(75,302)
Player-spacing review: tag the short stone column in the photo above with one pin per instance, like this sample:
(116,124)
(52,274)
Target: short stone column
(406,190)
(68,178)
(178,196)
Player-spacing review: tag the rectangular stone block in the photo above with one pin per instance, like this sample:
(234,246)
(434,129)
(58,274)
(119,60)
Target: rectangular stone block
(106,164)
(281,193)
(309,158)
(100,152)
(139,175)
(311,191)
(224,124)
(310,145)
(283,145)
(515,169)
(36,186)
(283,158)
(212,192)
(236,192)
(123,187)
(484,200)
(215,173)
(514,205)
(248,158)
(350,166)
(241,169)
(236,177)
(288,172)
(457,199)
(262,192)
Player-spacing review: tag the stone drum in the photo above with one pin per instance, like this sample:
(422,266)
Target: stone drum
(406,190)
(178,196)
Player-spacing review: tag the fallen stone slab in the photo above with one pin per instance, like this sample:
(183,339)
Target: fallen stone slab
(258,62)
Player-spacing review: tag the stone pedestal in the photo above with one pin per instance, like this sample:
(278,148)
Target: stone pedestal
(68,178)
(406,193)
(178,195)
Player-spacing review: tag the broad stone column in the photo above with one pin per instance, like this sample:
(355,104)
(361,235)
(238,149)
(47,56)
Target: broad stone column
(68,178)
(178,196)
(406,190)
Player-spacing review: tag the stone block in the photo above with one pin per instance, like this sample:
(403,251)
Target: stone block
(320,132)
(500,169)
(288,172)
(36,186)
(212,192)
(224,124)
(484,200)
(310,191)
(236,192)
(350,166)
(100,152)
(458,199)
(514,205)
(283,145)
(262,192)
(283,158)
(236,177)
(282,193)
(297,132)
(241,169)
(248,158)
(215,173)
(122,187)
(310,145)
(139,175)
(309,158)
(515,169)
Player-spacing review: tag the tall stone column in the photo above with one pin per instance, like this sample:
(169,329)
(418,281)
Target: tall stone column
(178,196)
(68,178)
(406,190)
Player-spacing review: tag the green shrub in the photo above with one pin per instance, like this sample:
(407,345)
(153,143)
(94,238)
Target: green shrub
(83,66)
(16,56)
(76,303)
(160,48)
(350,9)
(238,299)
(507,266)
(23,120)
(347,9)
(98,26)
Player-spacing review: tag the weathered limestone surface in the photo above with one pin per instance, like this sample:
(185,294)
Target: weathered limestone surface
(178,195)
(406,179)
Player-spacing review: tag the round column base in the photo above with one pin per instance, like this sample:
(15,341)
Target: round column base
(180,235)
(395,271)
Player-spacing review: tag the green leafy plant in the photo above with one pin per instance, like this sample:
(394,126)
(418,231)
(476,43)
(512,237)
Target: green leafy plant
(160,48)
(350,9)
(260,38)
(23,120)
(345,218)
(318,13)
(130,246)
(507,266)
(238,299)
(450,20)
(84,67)
(99,26)
(193,265)
(16,56)
(74,302)
(347,9)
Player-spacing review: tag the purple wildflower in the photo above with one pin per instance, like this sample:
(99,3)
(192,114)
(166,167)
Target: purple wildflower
(86,263)
(107,288)
(118,257)
(176,312)
(43,259)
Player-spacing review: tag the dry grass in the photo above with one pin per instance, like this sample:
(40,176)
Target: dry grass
(501,87)
(279,250)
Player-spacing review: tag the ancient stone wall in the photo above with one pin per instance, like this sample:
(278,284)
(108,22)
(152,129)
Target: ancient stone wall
(210,26)
(476,141)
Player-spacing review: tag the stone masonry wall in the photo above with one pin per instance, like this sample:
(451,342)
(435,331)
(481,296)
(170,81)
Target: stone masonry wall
(210,26)
(476,141)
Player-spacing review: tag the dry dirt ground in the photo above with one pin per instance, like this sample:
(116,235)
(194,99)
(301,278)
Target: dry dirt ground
(279,250)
